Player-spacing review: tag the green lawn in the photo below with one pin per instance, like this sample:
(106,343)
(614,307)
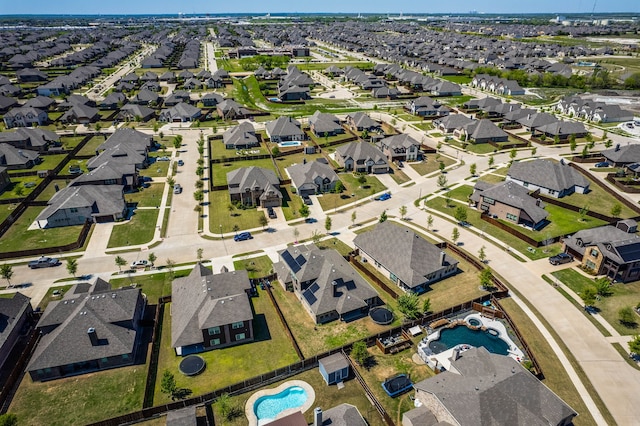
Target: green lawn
(81,399)
(353,191)
(220,215)
(458,79)
(49,162)
(157,169)
(431,165)
(220,170)
(257,267)
(461,193)
(285,161)
(425,125)
(70,142)
(218,150)
(146,197)
(271,349)
(138,230)
(492,178)
(49,297)
(623,295)
(92,145)
(27,185)
(291,203)
(598,200)
(153,286)
(398,175)
(18,237)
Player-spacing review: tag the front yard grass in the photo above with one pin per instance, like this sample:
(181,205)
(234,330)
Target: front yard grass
(399,176)
(353,191)
(220,215)
(291,203)
(27,185)
(146,197)
(270,350)
(92,145)
(70,142)
(220,170)
(81,399)
(18,237)
(257,267)
(49,162)
(138,230)
(284,161)
(156,169)
(431,165)
(50,190)
(623,295)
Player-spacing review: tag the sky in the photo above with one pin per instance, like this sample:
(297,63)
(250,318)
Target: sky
(335,6)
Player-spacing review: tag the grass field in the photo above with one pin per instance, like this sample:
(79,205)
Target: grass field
(353,191)
(138,230)
(220,215)
(431,165)
(220,170)
(291,203)
(256,267)
(92,145)
(146,197)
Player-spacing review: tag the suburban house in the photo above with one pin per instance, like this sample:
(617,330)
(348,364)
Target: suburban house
(485,388)
(361,157)
(140,142)
(551,178)
(284,129)
(328,287)
(6,103)
(452,122)
(74,205)
(135,112)
(242,136)
(562,130)
(180,113)
(360,121)
(609,250)
(229,109)
(400,147)
(426,107)
(14,159)
(254,186)
(210,311)
(15,313)
(101,324)
(124,153)
(531,122)
(82,114)
(25,117)
(385,92)
(211,100)
(593,111)
(323,124)
(112,101)
(314,177)
(405,257)
(334,368)
(618,156)
(481,131)
(511,202)
(110,173)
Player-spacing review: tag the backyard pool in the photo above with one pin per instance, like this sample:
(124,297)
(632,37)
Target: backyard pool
(269,406)
(289,144)
(451,337)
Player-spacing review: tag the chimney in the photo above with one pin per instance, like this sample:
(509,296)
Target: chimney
(442,258)
(317,416)
(334,286)
(538,202)
(93,336)
(617,147)
(456,354)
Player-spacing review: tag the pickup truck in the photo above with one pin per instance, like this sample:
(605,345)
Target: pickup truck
(44,262)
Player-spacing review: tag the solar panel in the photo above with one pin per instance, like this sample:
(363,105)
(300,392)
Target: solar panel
(314,287)
(629,252)
(309,297)
(301,260)
(289,260)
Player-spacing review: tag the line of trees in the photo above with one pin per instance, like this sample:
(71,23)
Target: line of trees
(600,78)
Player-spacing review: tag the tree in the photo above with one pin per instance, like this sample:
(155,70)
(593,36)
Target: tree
(634,344)
(72,266)
(339,187)
(513,154)
(472,169)
(120,262)
(482,255)
(353,217)
(168,383)
(491,161)
(199,253)
(177,142)
(362,179)
(616,209)
(442,181)
(6,272)
(8,419)
(588,296)
(198,195)
(455,235)
(441,166)
(170,265)
(359,352)
(573,144)
(316,236)
(383,217)
(296,234)
(403,211)
(275,151)
(236,228)
(608,143)
(98,127)
(626,316)
(426,306)
(152,258)
(408,305)
(18,190)
(460,214)
(583,212)
(429,222)
(200,171)
(228,410)
(263,221)
(304,211)
(161,134)
(365,134)
(327,224)
(486,278)
(533,151)
(199,184)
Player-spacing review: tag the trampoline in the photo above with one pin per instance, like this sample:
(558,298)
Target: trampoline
(381,316)
(192,365)
(397,385)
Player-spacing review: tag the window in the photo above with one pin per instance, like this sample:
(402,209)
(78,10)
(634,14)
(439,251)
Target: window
(240,336)
(214,342)
(594,253)
(125,356)
(512,217)
(237,325)
(589,264)
(393,277)
(104,360)
(488,200)
(214,330)
(73,210)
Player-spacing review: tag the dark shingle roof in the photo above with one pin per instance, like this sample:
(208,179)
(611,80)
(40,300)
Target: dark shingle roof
(547,174)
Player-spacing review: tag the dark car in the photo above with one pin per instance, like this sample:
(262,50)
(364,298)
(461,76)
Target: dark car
(560,258)
(44,262)
(180,163)
(272,213)
(310,220)
(307,200)
(242,236)
(383,197)
(602,164)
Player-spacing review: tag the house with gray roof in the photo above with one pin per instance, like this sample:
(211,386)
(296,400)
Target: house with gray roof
(25,117)
(14,159)
(284,129)
(361,157)
(229,109)
(254,186)
(146,97)
(112,101)
(135,112)
(562,130)
(123,154)
(481,131)
(40,102)
(110,173)
(139,141)
(400,147)
(99,323)
(242,136)
(426,107)
(340,415)
(180,113)
(613,251)
(34,139)
(551,178)
(15,313)
(532,121)
(488,389)
(323,124)
(405,257)
(452,122)
(326,284)
(210,311)
(211,99)
(618,156)
(82,114)
(6,103)
(314,177)
(360,121)
(511,202)
(74,205)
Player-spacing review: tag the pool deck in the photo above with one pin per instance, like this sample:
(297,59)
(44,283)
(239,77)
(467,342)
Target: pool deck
(251,415)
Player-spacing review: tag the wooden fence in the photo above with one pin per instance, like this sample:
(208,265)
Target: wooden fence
(527,239)
(19,365)
(84,232)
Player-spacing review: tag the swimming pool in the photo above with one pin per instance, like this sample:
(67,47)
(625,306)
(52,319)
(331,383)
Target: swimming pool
(451,337)
(289,143)
(269,406)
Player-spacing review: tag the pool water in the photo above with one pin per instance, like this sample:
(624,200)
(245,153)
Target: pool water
(269,406)
(289,143)
(451,337)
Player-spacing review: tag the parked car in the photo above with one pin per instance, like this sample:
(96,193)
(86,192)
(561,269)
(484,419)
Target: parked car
(75,170)
(307,200)
(180,163)
(272,213)
(310,220)
(139,264)
(177,189)
(242,236)
(384,197)
(163,159)
(44,262)
(602,164)
(560,259)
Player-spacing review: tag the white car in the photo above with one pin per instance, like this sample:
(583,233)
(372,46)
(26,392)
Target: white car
(139,264)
